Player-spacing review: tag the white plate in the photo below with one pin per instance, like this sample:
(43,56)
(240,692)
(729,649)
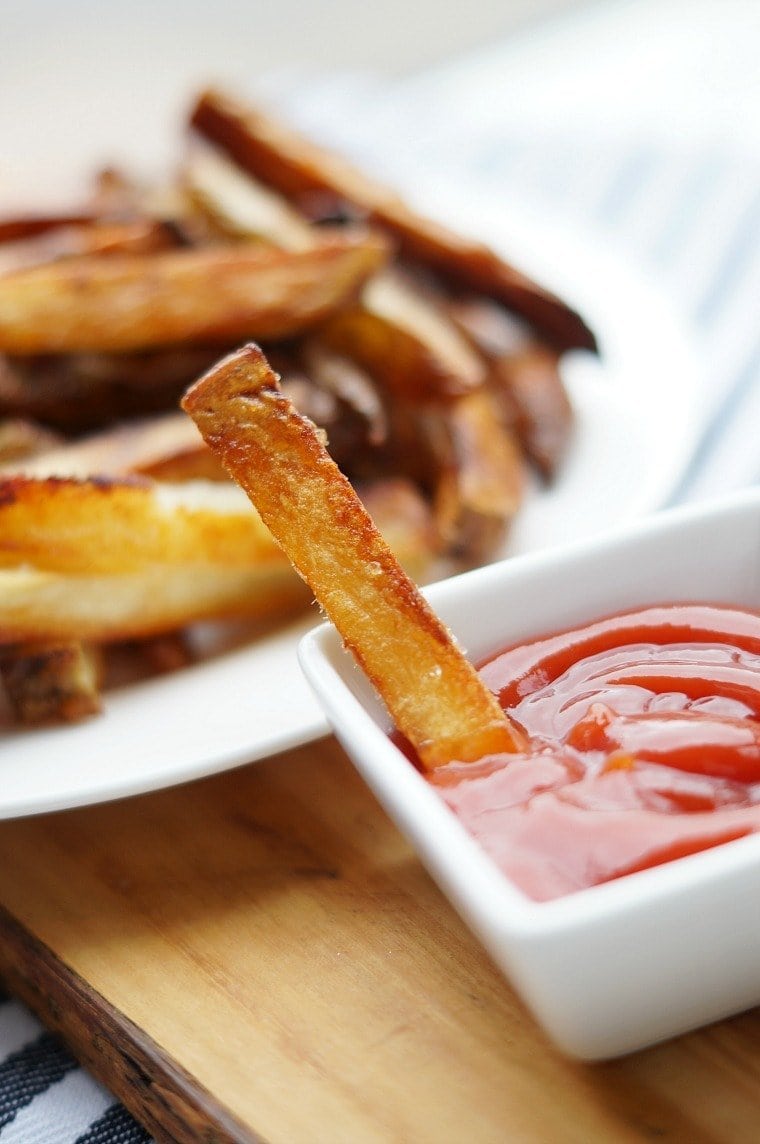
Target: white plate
(635,430)
(618,966)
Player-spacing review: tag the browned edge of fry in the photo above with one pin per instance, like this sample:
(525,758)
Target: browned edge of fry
(431,690)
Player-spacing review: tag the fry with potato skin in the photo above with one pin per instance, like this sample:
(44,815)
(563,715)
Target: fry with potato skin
(292,164)
(430,688)
(210,295)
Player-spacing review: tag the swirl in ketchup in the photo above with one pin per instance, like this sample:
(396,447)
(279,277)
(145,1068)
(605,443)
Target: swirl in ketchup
(644,747)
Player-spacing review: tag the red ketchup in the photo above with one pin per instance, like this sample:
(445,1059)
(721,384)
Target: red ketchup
(644,747)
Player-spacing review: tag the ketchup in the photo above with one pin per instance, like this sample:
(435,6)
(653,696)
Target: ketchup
(644,732)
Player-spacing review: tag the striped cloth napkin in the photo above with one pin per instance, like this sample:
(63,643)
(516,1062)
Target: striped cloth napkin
(650,149)
(45,1097)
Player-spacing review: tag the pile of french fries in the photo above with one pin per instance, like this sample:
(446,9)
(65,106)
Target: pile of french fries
(430,365)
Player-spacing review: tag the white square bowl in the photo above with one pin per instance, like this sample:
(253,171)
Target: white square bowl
(615,967)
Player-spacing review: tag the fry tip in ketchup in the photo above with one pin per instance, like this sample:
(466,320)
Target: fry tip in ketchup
(430,688)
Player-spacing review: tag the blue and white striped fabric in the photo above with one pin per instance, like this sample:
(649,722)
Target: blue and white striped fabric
(686,210)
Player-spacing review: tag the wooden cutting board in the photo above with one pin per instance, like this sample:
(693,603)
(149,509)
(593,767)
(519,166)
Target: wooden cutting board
(260,956)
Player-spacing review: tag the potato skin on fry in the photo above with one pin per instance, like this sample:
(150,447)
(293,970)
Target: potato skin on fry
(208,295)
(433,693)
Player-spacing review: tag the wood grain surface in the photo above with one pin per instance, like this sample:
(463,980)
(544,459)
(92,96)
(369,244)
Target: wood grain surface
(260,956)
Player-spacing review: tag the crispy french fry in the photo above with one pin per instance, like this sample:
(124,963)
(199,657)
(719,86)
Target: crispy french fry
(51,682)
(283,159)
(202,296)
(40,605)
(101,526)
(431,690)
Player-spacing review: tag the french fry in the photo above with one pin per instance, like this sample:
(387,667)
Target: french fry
(199,296)
(109,312)
(51,681)
(480,479)
(430,688)
(103,561)
(285,160)
(405,521)
(41,605)
(395,330)
(525,379)
(102,526)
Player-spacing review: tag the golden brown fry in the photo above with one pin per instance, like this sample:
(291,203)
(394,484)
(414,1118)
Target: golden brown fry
(283,159)
(39,605)
(103,526)
(480,480)
(199,296)
(51,682)
(431,690)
